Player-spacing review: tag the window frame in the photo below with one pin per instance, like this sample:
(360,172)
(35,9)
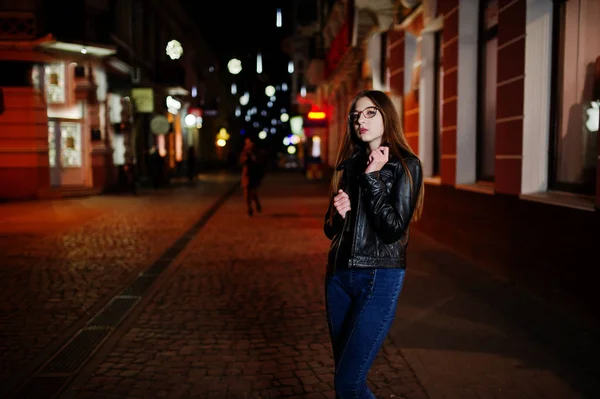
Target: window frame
(556,79)
(485,35)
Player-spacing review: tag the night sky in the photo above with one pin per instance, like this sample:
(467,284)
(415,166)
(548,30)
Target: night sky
(240,29)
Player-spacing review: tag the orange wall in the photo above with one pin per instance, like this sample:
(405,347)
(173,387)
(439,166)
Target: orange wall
(24,169)
(449,9)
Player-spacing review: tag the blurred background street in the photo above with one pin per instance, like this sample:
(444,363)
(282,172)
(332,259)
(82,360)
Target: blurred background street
(129,267)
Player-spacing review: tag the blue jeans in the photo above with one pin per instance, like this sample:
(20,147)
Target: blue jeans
(361,305)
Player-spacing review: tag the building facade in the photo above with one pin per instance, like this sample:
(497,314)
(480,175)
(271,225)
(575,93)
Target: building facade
(86,96)
(499,98)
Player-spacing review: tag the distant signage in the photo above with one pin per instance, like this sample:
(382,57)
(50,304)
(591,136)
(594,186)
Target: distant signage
(160,125)
(143,98)
(173,105)
(195,111)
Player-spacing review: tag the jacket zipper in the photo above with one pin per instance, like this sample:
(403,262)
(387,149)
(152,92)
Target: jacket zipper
(337,250)
(358,203)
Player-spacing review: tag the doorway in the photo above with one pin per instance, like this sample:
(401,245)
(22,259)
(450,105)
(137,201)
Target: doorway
(65,152)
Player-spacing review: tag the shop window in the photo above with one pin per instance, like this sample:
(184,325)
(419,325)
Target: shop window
(574,123)
(52,144)
(488,60)
(70,137)
(54,81)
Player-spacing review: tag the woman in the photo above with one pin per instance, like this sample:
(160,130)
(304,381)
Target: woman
(376,190)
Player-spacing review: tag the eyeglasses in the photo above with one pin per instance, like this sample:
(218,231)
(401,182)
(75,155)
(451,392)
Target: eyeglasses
(368,112)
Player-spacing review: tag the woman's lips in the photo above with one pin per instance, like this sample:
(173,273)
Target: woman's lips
(363,130)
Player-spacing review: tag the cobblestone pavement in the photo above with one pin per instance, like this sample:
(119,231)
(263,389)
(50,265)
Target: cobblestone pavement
(239,313)
(61,259)
(242,316)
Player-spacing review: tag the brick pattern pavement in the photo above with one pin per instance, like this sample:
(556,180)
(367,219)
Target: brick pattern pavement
(52,280)
(243,316)
(240,313)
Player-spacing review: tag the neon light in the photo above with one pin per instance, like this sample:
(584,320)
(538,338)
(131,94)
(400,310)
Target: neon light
(316,115)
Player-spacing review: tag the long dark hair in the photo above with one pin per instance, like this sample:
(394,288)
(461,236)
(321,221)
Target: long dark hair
(393,135)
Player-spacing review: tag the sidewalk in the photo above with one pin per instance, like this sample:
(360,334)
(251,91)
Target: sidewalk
(469,335)
(466,334)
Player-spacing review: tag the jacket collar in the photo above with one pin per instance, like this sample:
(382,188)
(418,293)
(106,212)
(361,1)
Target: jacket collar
(346,163)
(361,152)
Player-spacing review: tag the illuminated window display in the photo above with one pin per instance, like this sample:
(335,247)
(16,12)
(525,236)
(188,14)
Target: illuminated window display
(54,79)
(51,144)
(70,138)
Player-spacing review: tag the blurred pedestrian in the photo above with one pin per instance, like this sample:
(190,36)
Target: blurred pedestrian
(252,174)
(376,191)
(155,165)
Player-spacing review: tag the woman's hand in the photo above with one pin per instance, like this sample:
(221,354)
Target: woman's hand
(342,203)
(378,158)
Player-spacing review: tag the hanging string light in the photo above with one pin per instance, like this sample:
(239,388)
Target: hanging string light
(291,67)
(278,21)
(259,68)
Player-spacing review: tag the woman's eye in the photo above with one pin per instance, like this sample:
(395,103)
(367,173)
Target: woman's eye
(371,113)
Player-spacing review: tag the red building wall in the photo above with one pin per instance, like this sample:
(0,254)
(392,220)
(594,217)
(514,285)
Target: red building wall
(411,99)
(395,64)
(510,95)
(449,9)
(24,169)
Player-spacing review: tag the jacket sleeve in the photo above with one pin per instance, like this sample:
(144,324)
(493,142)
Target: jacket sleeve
(391,213)
(331,229)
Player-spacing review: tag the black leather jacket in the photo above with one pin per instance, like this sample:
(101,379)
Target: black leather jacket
(382,206)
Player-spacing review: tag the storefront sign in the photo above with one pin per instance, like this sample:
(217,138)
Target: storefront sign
(160,125)
(173,105)
(143,98)
(195,110)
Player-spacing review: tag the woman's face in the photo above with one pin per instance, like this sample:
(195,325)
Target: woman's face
(368,122)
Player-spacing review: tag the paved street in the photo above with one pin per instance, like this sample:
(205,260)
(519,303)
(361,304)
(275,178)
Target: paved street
(232,306)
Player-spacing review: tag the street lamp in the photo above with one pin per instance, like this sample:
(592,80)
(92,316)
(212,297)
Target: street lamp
(269,91)
(259,67)
(235,66)
(174,49)
(245,98)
